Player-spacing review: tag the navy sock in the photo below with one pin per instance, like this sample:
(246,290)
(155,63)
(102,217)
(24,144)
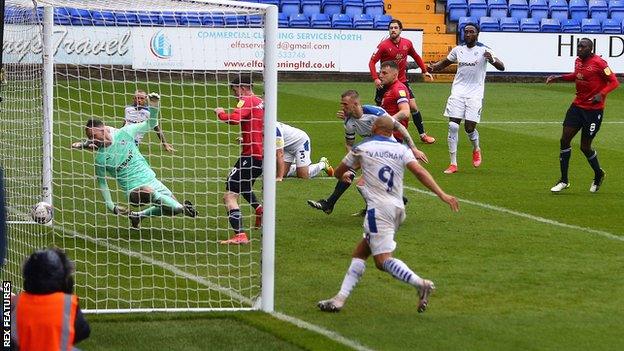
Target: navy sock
(417,118)
(339,189)
(592,158)
(564,163)
(236,220)
(251,198)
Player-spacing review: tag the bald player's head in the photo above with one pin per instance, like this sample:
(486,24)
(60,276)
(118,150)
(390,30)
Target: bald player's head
(383,126)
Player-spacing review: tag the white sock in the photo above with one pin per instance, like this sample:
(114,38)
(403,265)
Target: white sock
(453,136)
(315,168)
(354,273)
(401,271)
(292,171)
(474,139)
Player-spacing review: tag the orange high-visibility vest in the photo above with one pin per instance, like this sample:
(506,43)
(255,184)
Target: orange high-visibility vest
(45,322)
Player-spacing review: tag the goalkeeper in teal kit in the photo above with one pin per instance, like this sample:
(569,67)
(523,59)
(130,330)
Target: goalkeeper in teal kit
(118,155)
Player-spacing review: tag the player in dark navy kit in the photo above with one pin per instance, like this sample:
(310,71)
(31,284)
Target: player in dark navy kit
(594,80)
(249,113)
(397,49)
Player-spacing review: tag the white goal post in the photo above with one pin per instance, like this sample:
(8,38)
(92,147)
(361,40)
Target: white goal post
(66,62)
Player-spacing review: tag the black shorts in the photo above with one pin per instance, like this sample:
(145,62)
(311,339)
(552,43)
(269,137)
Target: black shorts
(379,93)
(244,174)
(587,120)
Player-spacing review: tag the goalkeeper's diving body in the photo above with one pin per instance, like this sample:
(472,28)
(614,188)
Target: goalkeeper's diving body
(118,155)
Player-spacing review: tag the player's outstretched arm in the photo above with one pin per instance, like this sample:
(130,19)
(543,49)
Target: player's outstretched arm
(427,180)
(440,65)
(103,185)
(410,142)
(163,142)
(281,165)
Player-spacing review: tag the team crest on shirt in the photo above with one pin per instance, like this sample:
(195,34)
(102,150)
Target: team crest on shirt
(579,76)
(240,103)
(402,93)
(607,71)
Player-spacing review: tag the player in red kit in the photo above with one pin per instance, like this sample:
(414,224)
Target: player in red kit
(397,49)
(249,113)
(594,80)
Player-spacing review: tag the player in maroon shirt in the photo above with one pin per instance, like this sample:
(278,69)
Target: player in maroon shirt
(398,49)
(594,80)
(249,113)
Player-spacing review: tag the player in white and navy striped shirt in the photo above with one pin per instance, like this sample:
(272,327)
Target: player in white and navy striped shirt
(383,160)
(359,120)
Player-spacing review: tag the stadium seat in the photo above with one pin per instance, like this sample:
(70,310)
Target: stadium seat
(477,8)
(282,20)
(353,7)
(598,10)
(456,9)
(340,20)
(558,9)
(126,18)
(363,21)
(509,24)
(61,16)
(320,20)
(211,20)
(373,7)
(189,18)
(591,25)
(578,9)
(290,7)
(518,9)
(255,21)
(612,26)
(550,25)
(299,20)
(169,18)
(235,21)
(150,18)
(489,24)
(331,7)
(382,21)
(529,25)
(497,8)
(571,26)
(616,9)
(80,17)
(310,7)
(538,9)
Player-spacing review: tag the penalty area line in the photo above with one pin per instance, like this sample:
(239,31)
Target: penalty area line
(179,272)
(528,216)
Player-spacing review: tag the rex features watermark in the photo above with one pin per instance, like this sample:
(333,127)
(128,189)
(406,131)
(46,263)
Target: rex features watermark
(6,315)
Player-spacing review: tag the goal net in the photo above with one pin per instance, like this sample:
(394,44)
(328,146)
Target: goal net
(69,61)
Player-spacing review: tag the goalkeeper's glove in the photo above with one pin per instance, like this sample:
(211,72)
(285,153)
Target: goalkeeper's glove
(154,99)
(120,210)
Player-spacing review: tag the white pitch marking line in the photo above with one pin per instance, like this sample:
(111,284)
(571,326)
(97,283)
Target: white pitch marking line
(528,216)
(284,317)
(446,121)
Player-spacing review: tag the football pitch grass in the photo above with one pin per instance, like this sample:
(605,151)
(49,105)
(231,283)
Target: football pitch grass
(517,269)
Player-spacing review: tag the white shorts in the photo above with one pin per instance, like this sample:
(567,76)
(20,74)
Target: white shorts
(380,225)
(464,108)
(298,154)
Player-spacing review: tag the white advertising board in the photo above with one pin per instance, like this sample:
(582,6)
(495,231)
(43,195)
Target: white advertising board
(202,48)
(242,49)
(550,52)
(72,45)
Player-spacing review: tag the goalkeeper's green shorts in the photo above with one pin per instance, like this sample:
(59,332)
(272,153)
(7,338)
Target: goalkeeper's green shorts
(155,185)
